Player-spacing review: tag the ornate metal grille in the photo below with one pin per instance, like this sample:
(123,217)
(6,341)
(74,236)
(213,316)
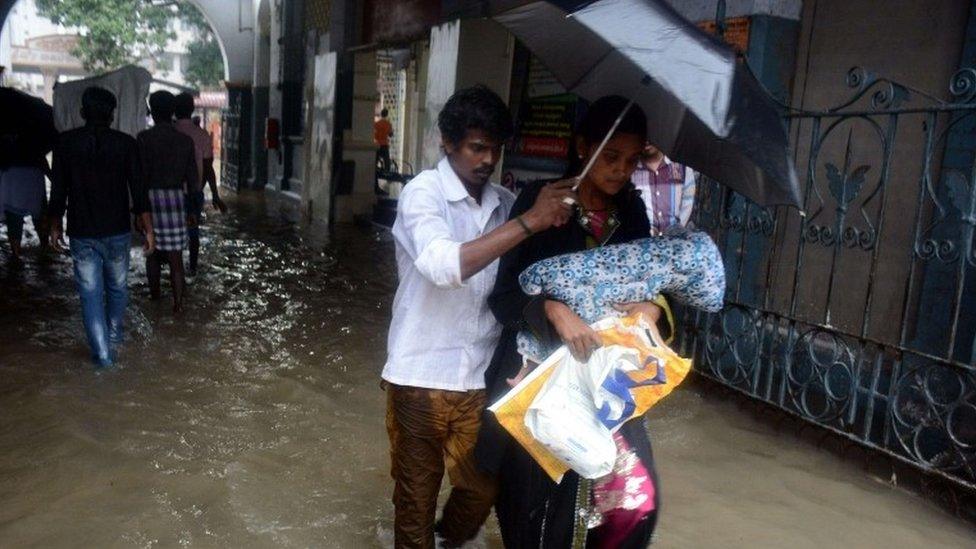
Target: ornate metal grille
(860,317)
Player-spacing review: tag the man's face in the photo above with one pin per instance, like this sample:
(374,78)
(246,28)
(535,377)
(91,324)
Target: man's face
(474,158)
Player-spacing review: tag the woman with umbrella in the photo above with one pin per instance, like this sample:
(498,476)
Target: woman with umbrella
(530,507)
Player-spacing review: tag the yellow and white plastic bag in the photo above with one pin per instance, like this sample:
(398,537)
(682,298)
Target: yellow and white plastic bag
(564,412)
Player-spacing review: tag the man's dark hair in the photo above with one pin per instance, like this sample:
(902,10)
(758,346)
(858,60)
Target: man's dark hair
(384,113)
(475,108)
(601,115)
(183,105)
(98,105)
(161,105)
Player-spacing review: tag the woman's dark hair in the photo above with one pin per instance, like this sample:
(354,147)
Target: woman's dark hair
(601,115)
(97,105)
(475,108)
(598,120)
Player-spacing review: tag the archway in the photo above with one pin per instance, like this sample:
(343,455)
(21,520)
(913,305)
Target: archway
(234,29)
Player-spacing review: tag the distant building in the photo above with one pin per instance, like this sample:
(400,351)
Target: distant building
(37,53)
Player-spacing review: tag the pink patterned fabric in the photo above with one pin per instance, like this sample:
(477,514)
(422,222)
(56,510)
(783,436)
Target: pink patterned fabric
(621,499)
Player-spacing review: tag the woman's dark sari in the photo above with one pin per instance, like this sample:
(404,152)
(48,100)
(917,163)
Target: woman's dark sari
(532,510)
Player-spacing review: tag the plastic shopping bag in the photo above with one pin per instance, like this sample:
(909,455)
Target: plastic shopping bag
(565,412)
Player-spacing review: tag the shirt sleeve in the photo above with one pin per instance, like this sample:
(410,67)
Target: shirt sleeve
(687,196)
(430,243)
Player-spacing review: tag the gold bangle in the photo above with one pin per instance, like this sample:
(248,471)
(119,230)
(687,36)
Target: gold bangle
(525,226)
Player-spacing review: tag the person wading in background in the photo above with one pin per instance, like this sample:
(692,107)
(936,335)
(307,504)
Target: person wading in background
(169,171)
(95,177)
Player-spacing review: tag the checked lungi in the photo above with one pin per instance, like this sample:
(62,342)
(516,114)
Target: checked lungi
(168,219)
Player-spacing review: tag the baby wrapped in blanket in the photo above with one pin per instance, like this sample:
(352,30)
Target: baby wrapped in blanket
(683,264)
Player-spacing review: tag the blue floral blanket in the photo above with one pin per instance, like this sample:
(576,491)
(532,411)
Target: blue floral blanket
(684,265)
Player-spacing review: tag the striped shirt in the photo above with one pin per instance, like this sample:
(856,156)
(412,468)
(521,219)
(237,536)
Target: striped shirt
(668,193)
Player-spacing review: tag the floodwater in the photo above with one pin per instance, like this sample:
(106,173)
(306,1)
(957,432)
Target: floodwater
(256,419)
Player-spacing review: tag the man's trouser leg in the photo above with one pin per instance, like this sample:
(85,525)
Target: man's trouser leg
(88,255)
(116,273)
(417,427)
(473,491)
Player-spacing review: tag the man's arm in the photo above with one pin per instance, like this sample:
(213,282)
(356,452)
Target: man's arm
(210,174)
(60,178)
(139,196)
(446,262)
(59,185)
(548,210)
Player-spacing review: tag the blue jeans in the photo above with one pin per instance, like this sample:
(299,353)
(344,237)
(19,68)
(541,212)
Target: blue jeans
(101,272)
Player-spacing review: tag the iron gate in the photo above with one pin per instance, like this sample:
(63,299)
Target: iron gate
(230,146)
(859,316)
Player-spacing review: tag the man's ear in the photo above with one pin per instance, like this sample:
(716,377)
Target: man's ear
(448,147)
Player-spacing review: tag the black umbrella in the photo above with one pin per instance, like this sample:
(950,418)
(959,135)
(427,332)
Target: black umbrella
(704,108)
(27,131)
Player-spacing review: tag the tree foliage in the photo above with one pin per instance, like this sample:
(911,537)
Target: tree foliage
(119,32)
(114,32)
(204,66)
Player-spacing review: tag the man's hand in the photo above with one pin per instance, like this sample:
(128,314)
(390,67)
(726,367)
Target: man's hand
(551,208)
(149,247)
(576,334)
(55,237)
(144,226)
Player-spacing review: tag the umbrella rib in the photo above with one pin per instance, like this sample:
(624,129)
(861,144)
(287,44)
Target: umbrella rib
(609,51)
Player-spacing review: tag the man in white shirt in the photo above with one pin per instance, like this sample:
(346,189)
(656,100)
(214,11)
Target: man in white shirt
(449,232)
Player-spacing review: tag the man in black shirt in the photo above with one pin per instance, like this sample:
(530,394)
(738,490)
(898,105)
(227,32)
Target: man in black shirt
(95,176)
(169,173)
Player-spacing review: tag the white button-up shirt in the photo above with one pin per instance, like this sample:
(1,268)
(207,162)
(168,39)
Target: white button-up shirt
(442,334)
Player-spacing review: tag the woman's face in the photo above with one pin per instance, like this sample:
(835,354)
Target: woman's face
(616,163)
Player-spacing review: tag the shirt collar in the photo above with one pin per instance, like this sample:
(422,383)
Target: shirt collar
(455,191)
(451,185)
(643,166)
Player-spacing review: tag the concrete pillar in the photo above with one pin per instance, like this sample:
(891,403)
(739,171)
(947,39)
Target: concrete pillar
(260,95)
(50,77)
(292,74)
(357,141)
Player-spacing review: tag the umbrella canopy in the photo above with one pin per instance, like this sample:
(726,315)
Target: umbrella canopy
(704,108)
(27,130)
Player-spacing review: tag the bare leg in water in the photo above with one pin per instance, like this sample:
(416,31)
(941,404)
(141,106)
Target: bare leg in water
(177,279)
(176,276)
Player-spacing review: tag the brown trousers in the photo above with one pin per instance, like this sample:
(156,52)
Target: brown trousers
(427,428)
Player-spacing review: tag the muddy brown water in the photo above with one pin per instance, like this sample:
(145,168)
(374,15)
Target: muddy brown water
(256,419)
